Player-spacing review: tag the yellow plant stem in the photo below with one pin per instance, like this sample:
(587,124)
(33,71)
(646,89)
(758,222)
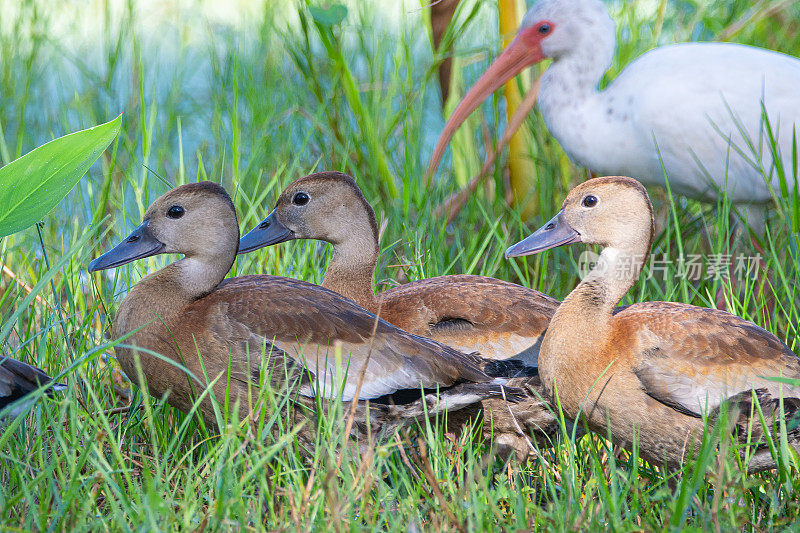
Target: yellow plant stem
(521,170)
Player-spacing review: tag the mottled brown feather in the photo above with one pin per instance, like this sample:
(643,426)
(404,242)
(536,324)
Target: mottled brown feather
(503,319)
(290,313)
(680,365)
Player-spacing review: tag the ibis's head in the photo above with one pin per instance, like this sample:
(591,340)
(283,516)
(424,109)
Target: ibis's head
(557,28)
(550,29)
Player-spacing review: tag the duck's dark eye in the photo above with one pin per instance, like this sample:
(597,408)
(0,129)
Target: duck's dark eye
(544,28)
(300,198)
(175,211)
(589,201)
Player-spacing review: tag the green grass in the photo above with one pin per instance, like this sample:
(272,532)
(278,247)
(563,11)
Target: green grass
(254,103)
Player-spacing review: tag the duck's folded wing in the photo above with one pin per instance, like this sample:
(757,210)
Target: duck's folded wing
(335,338)
(252,357)
(487,303)
(693,360)
(497,318)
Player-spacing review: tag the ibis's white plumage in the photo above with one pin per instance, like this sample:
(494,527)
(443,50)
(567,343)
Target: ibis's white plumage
(698,106)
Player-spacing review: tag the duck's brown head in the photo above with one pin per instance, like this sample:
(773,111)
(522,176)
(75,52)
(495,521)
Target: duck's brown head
(326,206)
(612,211)
(197,219)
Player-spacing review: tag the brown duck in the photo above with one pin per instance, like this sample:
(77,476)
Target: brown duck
(246,332)
(470,313)
(500,320)
(652,368)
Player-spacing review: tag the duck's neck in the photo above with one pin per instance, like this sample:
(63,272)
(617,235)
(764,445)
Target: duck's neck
(169,290)
(351,270)
(198,276)
(582,323)
(614,273)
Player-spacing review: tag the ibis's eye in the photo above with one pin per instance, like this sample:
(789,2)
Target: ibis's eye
(300,198)
(175,211)
(589,200)
(544,28)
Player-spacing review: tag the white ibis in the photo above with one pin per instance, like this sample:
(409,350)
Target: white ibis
(696,107)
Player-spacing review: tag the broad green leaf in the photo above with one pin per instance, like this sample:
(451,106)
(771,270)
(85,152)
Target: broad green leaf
(31,186)
(330,16)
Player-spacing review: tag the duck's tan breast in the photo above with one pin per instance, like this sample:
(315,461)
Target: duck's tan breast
(656,368)
(166,337)
(603,390)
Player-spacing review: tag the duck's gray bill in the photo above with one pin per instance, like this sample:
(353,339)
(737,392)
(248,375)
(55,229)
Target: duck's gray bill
(139,244)
(269,232)
(555,233)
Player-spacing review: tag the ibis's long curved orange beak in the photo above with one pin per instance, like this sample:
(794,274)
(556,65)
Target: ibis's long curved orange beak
(517,55)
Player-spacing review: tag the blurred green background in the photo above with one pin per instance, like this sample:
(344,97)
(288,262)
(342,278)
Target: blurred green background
(254,94)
